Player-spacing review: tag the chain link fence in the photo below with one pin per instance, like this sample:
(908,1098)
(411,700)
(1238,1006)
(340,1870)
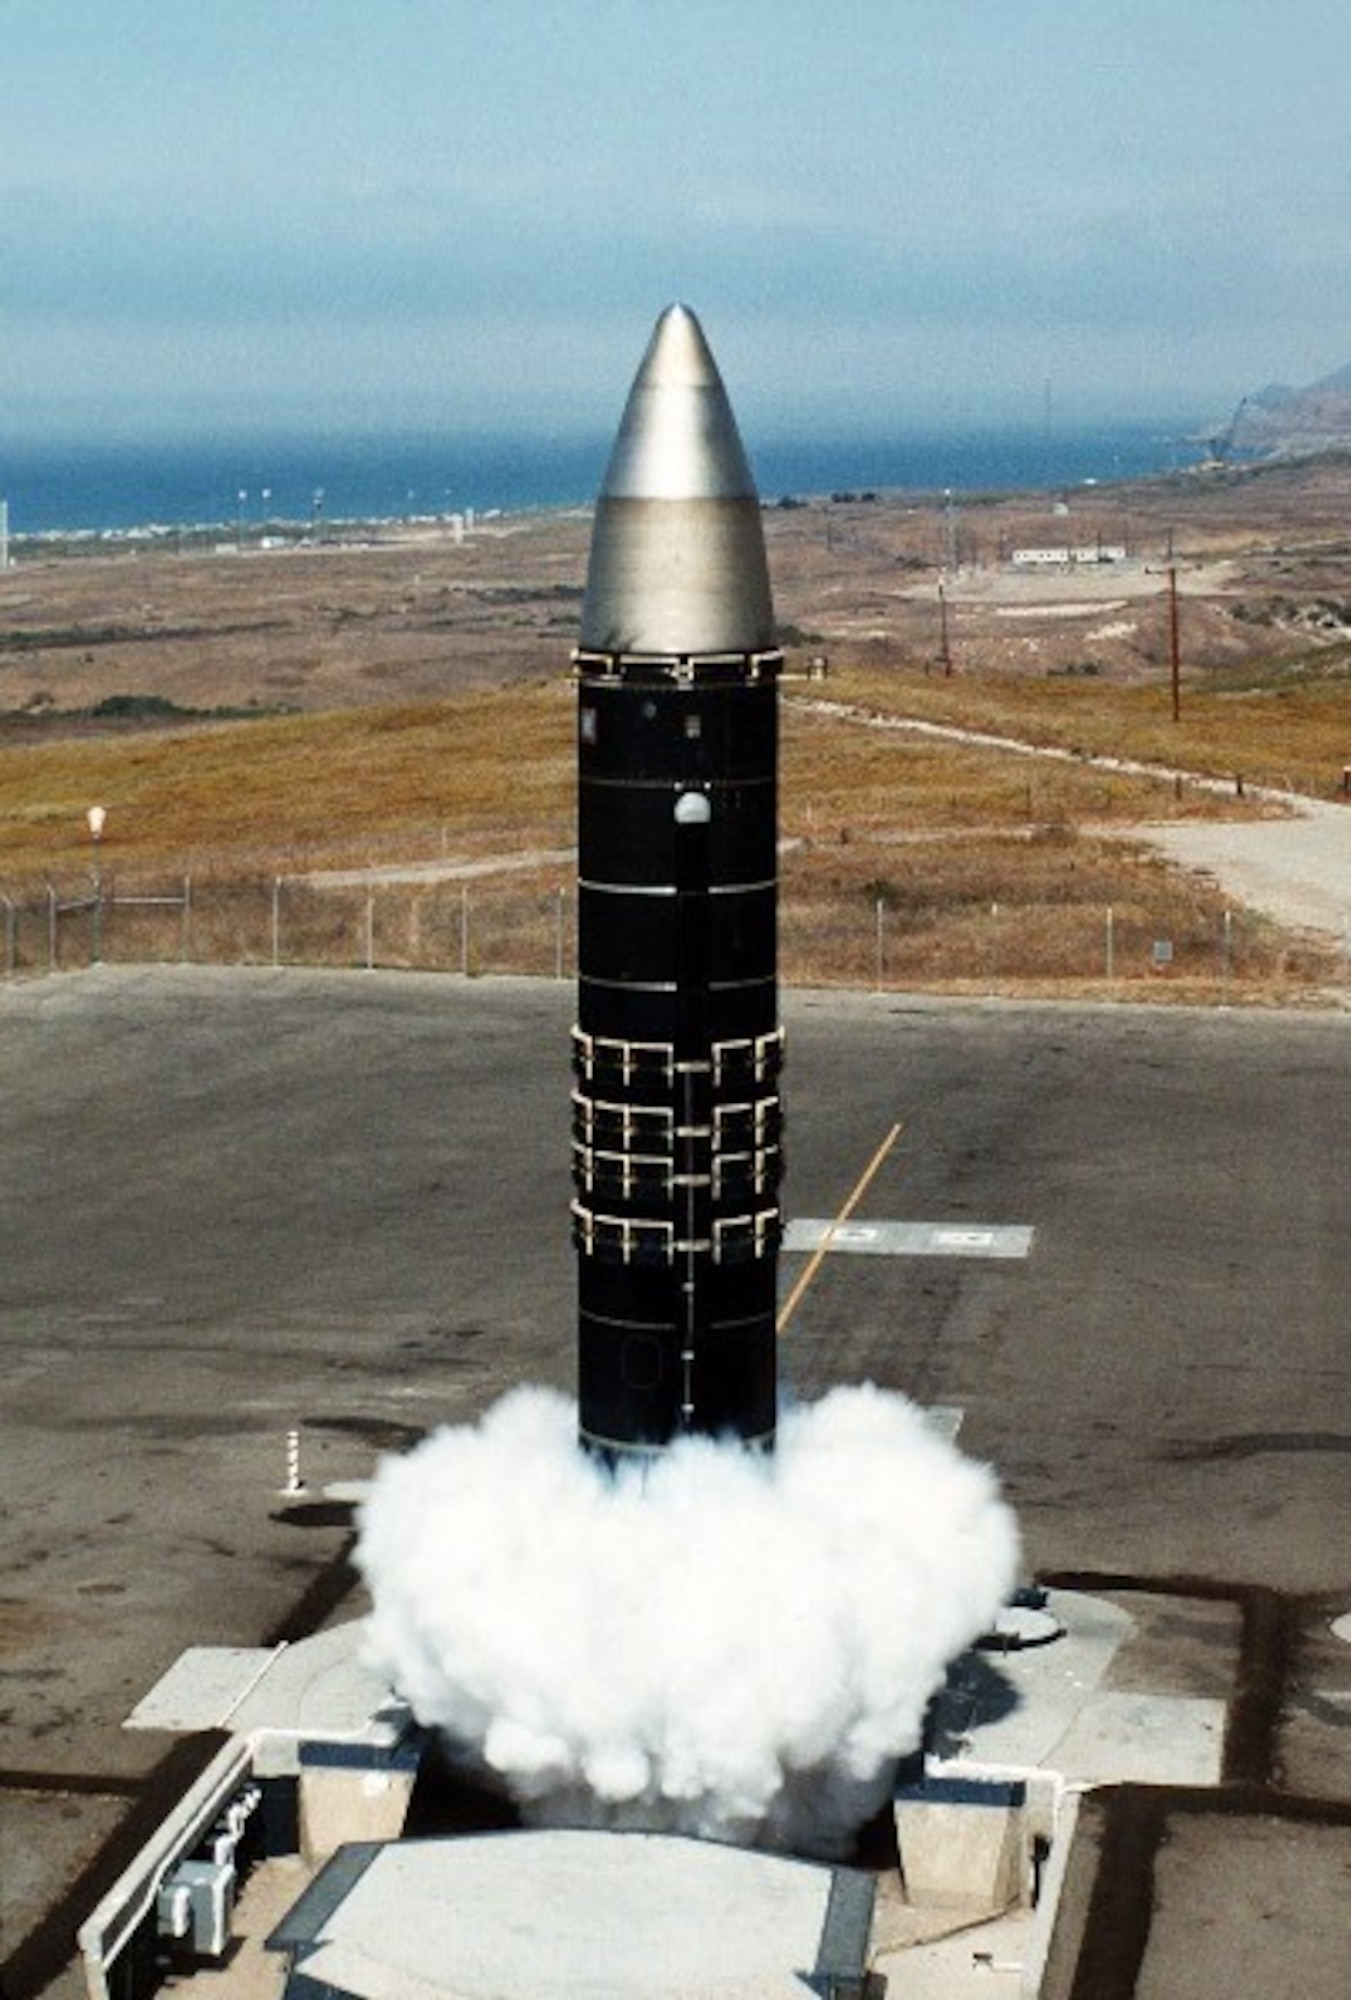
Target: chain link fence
(474,928)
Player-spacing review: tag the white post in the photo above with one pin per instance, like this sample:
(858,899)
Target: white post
(295,1485)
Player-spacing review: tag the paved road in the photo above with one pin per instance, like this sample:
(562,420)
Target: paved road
(234,1201)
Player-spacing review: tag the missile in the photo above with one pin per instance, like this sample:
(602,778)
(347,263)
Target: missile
(677,1048)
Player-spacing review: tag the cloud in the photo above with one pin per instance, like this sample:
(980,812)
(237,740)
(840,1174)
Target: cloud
(492,304)
(387,256)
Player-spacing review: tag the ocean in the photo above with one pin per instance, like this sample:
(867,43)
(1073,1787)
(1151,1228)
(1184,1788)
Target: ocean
(118,489)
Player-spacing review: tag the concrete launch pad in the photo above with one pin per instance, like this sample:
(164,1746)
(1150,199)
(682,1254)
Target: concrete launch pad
(233,1203)
(1048,1708)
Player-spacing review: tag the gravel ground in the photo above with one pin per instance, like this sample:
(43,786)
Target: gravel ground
(1296,870)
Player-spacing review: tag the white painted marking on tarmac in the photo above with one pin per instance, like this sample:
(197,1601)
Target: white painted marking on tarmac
(911,1239)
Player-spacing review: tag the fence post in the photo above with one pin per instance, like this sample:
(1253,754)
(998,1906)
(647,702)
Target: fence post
(276,920)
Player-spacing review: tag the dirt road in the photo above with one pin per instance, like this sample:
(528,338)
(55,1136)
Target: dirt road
(1296,870)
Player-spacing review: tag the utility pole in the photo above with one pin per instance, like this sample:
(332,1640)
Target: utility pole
(944,645)
(949,532)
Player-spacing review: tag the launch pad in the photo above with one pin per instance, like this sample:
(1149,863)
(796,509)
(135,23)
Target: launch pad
(145,1425)
(983,1827)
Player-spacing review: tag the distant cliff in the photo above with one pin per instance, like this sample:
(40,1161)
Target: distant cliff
(1280,422)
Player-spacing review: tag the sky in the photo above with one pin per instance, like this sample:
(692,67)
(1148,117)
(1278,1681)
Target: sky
(889,214)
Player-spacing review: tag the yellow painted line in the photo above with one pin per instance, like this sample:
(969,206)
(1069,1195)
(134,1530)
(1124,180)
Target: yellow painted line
(791,1303)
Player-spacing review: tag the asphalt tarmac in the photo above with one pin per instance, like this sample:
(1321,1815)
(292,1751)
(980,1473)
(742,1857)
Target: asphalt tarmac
(233,1203)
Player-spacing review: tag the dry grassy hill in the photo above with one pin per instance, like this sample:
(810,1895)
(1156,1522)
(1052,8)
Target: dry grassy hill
(406,698)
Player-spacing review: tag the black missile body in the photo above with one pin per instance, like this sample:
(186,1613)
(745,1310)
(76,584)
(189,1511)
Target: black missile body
(677,1051)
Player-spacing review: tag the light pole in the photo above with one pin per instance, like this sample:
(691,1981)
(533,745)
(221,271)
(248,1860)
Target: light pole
(97,818)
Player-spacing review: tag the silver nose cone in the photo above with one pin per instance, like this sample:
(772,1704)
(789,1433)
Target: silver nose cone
(678,548)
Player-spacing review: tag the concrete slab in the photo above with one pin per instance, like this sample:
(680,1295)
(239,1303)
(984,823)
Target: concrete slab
(984,1961)
(1052,1708)
(318,1689)
(202,1689)
(1013,1709)
(1143,1739)
(555,1915)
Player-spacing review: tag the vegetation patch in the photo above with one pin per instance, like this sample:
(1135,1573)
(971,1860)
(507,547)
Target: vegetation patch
(908,860)
(1291,730)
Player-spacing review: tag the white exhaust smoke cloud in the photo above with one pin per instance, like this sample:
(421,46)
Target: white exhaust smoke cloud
(730,1645)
